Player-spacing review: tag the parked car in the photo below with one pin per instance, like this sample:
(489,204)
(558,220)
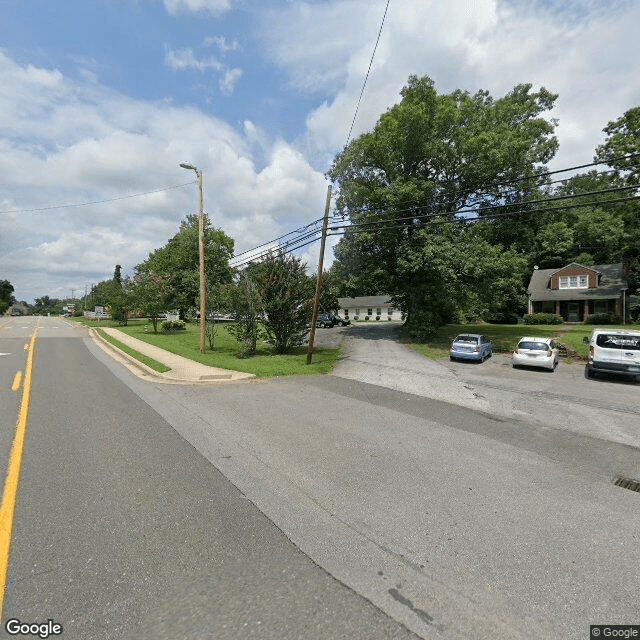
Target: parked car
(470,346)
(343,322)
(324,320)
(614,351)
(536,352)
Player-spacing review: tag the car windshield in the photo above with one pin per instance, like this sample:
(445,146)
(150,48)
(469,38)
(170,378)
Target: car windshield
(617,341)
(534,346)
(463,338)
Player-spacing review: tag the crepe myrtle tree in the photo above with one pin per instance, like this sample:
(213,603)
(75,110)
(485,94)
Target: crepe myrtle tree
(287,298)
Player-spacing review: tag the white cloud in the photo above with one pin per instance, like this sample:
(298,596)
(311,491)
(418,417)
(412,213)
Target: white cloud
(229,80)
(212,6)
(120,147)
(586,51)
(185,59)
(222,44)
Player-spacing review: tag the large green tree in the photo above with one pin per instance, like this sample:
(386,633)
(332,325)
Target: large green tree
(179,258)
(622,146)
(406,186)
(6,295)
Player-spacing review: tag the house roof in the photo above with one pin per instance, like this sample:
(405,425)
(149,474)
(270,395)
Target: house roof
(576,264)
(610,284)
(364,301)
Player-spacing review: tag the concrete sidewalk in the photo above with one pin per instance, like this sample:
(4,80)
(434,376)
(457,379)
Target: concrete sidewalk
(182,370)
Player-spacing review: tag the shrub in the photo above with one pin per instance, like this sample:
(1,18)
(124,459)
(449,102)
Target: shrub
(356,318)
(366,318)
(173,325)
(604,318)
(377,317)
(543,318)
(634,312)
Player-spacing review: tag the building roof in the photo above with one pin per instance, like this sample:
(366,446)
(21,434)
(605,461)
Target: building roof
(364,301)
(610,284)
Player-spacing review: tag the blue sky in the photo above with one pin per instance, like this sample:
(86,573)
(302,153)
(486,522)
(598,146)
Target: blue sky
(102,99)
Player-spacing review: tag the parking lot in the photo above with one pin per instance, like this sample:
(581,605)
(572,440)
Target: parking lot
(607,407)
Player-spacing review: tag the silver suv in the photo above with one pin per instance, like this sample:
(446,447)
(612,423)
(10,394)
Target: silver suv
(614,351)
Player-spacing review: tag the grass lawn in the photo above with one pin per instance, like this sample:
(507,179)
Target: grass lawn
(224,353)
(150,362)
(505,336)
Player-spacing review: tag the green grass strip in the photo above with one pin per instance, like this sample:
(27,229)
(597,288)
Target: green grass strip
(150,362)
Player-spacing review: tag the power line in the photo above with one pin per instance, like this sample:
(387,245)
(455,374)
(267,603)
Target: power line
(94,202)
(364,84)
(391,223)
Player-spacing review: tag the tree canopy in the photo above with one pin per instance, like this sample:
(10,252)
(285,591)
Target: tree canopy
(6,295)
(179,259)
(410,185)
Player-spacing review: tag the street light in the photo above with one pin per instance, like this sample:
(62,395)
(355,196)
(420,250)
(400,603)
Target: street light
(203,318)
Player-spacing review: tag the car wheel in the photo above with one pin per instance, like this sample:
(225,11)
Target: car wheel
(515,366)
(589,373)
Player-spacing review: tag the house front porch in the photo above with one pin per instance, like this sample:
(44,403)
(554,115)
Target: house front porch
(576,310)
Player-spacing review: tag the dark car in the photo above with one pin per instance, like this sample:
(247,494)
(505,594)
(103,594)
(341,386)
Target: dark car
(343,322)
(325,320)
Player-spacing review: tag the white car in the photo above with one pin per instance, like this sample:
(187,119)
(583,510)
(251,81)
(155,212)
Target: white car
(536,352)
(614,351)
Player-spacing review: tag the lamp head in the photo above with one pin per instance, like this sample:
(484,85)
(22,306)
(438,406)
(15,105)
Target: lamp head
(186,165)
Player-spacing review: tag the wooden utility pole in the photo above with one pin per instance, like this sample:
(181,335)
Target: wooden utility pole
(316,301)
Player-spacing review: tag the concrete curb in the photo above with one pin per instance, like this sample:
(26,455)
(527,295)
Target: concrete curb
(182,370)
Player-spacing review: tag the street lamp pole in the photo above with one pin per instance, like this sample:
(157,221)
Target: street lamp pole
(203,317)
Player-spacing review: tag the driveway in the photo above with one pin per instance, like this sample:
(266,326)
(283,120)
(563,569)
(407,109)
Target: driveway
(604,408)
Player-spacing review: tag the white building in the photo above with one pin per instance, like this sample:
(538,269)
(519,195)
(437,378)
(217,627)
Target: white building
(372,307)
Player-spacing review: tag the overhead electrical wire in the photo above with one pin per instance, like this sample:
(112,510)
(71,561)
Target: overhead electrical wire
(512,209)
(364,84)
(94,202)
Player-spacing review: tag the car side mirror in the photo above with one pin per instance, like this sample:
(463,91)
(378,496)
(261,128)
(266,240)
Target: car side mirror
(585,339)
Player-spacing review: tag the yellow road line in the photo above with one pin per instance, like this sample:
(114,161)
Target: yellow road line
(13,473)
(16,381)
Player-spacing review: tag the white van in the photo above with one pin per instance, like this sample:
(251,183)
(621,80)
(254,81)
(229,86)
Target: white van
(614,351)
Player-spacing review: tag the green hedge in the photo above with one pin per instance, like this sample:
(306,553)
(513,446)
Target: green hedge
(543,318)
(604,318)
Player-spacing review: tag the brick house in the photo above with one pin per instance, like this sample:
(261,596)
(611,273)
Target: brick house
(575,292)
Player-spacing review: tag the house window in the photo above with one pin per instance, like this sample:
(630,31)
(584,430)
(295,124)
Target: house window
(357,312)
(378,311)
(574,282)
(346,313)
(369,312)
(390,311)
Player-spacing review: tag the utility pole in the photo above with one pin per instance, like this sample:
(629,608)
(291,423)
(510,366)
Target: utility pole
(203,311)
(316,301)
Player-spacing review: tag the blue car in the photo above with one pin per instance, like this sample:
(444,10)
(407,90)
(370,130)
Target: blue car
(470,346)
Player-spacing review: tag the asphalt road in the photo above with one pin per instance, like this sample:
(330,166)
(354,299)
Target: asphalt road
(123,530)
(420,487)
(451,516)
